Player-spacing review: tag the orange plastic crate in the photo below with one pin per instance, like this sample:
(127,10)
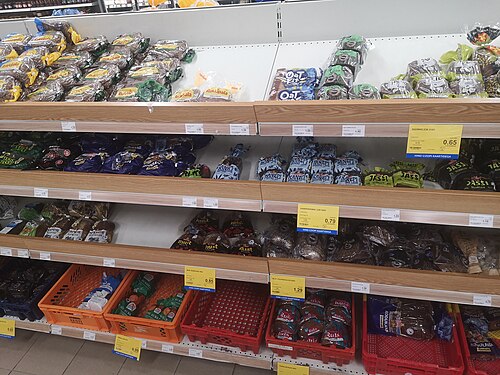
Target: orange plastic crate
(136,326)
(60,304)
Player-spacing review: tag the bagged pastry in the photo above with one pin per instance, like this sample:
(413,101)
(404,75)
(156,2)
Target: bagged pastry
(23,70)
(10,89)
(53,40)
(87,92)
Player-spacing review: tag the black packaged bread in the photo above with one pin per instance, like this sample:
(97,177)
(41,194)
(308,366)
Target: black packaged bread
(474,181)
(57,25)
(67,76)
(334,92)
(122,58)
(79,229)
(81,60)
(95,46)
(10,89)
(337,75)
(172,66)
(397,89)
(7,52)
(143,73)
(106,74)
(59,228)
(433,87)
(102,232)
(468,87)
(348,58)
(39,56)
(421,68)
(91,92)
(166,49)
(18,41)
(23,70)
(462,69)
(363,91)
(492,85)
(49,92)
(355,43)
(134,42)
(447,171)
(53,40)
(216,242)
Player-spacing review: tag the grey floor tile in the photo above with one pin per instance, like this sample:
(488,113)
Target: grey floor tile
(4,372)
(95,358)
(244,370)
(15,373)
(151,363)
(190,366)
(49,355)
(11,351)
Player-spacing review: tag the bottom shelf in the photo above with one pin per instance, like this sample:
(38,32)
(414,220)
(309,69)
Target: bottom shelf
(266,359)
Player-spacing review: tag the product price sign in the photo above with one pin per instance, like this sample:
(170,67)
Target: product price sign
(128,347)
(291,369)
(199,278)
(315,218)
(434,141)
(288,287)
(7,328)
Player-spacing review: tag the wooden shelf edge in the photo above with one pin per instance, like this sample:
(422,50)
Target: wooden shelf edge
(380,111)
(407,283)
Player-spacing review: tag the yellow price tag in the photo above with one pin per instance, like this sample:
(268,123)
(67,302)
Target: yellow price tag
(291,369)
(315,218)
(128,347)
(199,278)
(434,141)
(7,328)
(289,287)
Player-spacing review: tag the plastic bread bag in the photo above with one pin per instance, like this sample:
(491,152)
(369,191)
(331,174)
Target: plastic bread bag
(10,89)
(397,89)
(294,84)
(39,55)
(7,207)
(17,41)
(134,42)
(462,53)
(88,92)
(310,246)
(81,60)
(49,92)
(67,76)
(463,69)
(492,85)
(468,243)
(407,174)
(230,167)
(122,58)
(95,46)
(349,58)
(337,75)
(334,92)
(363,91)
(44,25)
(481,35)
(433,87)
(23,70)
(422,68)
(53,40)
(167,49)
(143,73)
(170,65)
(102,232)
(106,74)
(140,91)
(7,52)
(468,87)
(187,95)
(354,43)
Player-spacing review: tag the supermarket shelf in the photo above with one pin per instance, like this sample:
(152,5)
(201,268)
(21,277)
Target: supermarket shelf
(230,267)
(381,118)
(319,368)
(37,325)
(144,118)
(424,285)
(38,9)
(161,191)
(363,202)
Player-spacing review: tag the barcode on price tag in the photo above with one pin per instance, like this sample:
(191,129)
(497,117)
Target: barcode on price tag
(210,203)
(481,300)
(302,130)
(390,214)
(40,193)
(360,287)
(167,348)
(44,256)
(56,330)
(189,202)
(23,253)
(239,129)
(85,195)
(109,262)
(89,335)
(197,353)
(5,251)
(194,129)
(68,126)
(353,130)
(485,221)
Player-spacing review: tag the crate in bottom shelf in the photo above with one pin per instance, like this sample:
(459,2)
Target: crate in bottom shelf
(298,349)
(136,326)
(60,304)
(235,315)
(396,355)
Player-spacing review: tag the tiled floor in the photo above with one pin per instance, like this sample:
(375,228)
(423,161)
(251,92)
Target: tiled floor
(32,353)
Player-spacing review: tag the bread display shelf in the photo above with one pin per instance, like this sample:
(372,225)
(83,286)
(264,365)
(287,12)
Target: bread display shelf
(407,283)
(381,118)
(140,258)
(450,207)
(149,190)
(144,118)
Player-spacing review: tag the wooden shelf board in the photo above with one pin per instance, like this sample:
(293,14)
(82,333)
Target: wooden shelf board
(150,190)
(417,284)
(232,267)
(474,111)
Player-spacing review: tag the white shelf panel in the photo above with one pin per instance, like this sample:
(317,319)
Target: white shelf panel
(39,9)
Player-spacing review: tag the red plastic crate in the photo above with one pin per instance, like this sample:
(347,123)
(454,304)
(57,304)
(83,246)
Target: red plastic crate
(393,355)
(235,315)
(472,366)
(317,351)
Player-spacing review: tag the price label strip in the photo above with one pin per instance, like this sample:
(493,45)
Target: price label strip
(7,328)
(128,347)
(434,141)
(199,278)
(291,369)
(315,218)
(288,287)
